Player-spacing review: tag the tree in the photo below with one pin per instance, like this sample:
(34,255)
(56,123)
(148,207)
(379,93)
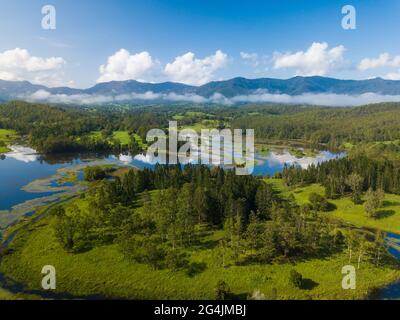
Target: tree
(264,198)
(254,232)
(72,230)
(295,279)
(200,204)
(373,201)
(338,238)
(222,291)
(65,229)
(351,241)
(175,259)
(164,212)
(334,186)
(233,226)
(378,247)
(362,245)
(221,253)
(93,173)
(146,250)
(318,202)
(355,182)
(186,219)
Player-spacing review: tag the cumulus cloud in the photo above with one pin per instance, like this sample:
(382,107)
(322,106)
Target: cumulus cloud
(123,65)
(187,69)
(393,76)
(257,97)
(384,60)
(18,64)
(318,59)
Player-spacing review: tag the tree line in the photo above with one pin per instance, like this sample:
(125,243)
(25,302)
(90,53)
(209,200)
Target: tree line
(53,129)
(348,175)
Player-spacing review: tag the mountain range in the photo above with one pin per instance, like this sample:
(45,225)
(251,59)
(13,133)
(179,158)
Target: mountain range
(228,88)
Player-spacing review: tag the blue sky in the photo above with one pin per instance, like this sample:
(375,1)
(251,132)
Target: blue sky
(226,39)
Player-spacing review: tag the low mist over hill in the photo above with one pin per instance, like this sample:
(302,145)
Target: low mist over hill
(307,90)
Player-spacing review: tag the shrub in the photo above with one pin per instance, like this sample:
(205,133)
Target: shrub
(176,260)
(295,279)
(318,202)
(222,291)
(94,173)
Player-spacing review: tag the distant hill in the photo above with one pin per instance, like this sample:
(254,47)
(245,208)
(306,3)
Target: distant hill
(300,85)
(132,86)
(228,88)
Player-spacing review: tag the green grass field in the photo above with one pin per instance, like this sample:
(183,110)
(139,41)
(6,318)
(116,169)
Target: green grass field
(347,211)
(104,271)
(5,295)
(6,137)
(203,124)
(122,136)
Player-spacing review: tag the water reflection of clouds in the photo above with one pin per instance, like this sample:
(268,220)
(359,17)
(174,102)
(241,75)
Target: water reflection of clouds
(283,158)
(273,160)
(126,159)
(146,158)
(23,154)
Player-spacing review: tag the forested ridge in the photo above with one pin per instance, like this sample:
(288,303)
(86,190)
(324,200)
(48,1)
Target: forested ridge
(52,129)
(57,129)
(329,126)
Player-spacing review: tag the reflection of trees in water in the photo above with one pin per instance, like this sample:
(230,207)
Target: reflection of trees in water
(2,156)
(71,157)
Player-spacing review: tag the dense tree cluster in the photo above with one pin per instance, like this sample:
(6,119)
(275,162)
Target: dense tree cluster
(324,125)
(154,215)
(58,130)
(348,175)
(93,173)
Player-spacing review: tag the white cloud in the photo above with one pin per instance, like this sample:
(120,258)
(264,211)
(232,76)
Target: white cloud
(40,95)
(393,76)
(18,64)
(217,98)
(123,65)
(324,99)
(187,69)
(250,57)
(316,60)
(87,99)
(384,60)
